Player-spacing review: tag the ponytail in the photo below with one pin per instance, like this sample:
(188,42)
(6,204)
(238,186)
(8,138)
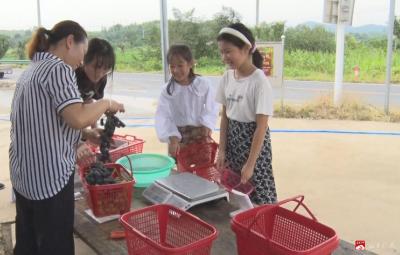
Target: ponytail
(192,75)
(258,59)
(43,38)
(39,42)
(170,85)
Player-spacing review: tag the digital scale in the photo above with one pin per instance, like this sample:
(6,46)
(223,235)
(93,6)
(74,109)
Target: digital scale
(184,190)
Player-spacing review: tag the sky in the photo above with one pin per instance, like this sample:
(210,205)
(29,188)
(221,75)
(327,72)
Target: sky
(94,15)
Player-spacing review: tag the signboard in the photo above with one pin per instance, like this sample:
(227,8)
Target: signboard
(338,11)
(346,9)
(331,8)
(272,53)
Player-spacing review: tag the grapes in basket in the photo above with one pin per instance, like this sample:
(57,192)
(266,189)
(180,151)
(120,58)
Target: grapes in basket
(99,174)
(109,127)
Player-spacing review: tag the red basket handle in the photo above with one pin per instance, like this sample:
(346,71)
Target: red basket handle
(130,138)
(299,199)
(227,169)
(207,142)
(211,140)
(299,202)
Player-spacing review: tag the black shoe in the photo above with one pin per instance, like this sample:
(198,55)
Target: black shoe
(1,186)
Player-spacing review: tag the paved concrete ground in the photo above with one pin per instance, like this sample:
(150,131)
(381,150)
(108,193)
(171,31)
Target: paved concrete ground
(351,182)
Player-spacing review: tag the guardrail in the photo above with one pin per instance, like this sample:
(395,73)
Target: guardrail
(17,62)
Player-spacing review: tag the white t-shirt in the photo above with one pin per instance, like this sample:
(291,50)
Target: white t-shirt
(245,97)
(191,105)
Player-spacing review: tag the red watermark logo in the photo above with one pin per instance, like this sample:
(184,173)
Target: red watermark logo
(359,245)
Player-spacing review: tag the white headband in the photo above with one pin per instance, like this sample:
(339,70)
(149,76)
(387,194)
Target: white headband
(231,31)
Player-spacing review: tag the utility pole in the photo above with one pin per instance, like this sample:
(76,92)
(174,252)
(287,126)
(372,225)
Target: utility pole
(339,65)
(164,37)
(339,12)
(38,13)
(257,12)
(389,54)
(282,76)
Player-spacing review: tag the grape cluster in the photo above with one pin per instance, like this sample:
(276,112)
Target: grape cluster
(99,174)
(111,123)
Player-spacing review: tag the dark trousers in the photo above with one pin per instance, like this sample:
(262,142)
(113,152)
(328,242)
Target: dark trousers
(45,227)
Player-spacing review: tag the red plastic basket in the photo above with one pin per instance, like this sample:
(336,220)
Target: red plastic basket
(274,230)
(122,145)
(164,229)
(199,159)
(231,180)
(108,199)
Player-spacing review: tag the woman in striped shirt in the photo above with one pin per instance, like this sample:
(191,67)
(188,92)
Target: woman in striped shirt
(47,117)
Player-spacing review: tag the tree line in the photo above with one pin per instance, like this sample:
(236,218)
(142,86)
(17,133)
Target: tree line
(201,35)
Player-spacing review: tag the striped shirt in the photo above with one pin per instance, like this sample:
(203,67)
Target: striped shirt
(43,146)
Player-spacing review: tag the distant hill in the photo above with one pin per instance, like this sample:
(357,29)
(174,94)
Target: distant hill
(11,33)
(372,30)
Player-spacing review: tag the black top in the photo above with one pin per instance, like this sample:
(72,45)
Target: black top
(87,88)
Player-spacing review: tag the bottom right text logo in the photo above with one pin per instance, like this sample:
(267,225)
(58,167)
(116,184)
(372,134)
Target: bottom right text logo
(359,245)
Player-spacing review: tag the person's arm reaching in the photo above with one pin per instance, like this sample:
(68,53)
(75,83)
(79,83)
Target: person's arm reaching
(222,139)
(79,115)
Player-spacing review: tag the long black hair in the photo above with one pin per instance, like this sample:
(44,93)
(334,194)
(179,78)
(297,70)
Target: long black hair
(43,38)
(184,52)
(257,57)
(102,52)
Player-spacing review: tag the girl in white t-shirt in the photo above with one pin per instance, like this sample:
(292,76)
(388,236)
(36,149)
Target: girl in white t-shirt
(187,110)
(246,96)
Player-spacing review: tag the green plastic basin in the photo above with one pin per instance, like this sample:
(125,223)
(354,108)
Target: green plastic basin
(147,167)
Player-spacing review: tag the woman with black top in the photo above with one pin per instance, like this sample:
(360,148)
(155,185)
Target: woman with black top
(98,64)
(91,77)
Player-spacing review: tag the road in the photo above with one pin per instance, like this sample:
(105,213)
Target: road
(295,91)
(147,85)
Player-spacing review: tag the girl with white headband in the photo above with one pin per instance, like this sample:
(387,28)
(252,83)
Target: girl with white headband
(246,96)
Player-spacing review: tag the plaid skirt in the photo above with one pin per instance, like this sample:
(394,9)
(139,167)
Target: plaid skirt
(239,139)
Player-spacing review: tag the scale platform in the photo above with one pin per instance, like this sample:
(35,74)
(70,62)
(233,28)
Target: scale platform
(184,190)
